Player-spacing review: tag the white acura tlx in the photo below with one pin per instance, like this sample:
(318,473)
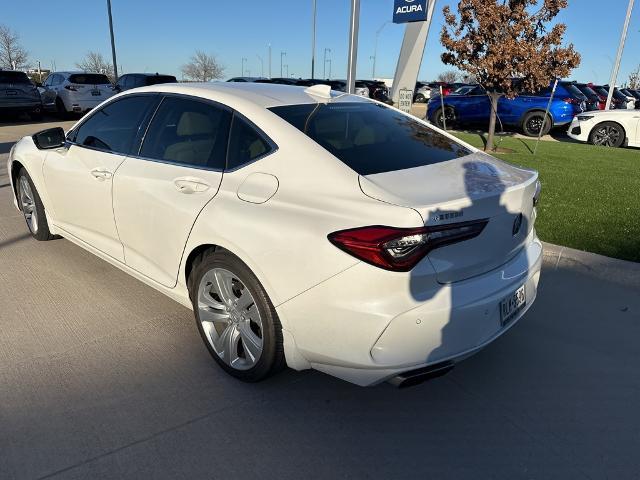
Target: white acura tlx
(304,227)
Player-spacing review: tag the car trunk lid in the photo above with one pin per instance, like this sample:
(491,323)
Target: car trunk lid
(473,187)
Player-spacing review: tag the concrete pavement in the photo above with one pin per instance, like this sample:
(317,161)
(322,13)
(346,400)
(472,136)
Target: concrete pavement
(103,377)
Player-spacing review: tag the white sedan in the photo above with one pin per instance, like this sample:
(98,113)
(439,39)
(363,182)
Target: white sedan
(608,128)
(304,227)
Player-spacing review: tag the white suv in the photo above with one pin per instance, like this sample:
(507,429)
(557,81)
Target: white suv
(77,92)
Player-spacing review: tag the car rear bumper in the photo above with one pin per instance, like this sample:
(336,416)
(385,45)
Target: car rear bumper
(21,105)
(369,328)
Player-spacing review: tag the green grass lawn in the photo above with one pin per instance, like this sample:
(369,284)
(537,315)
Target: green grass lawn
(590,195)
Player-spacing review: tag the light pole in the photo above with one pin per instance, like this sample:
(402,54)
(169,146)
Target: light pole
(287,69)
(329,61)
(113,42)
(269,60)
(616,67)
(375,48)
(282,55)
(261,65)
(324,66)
(354,27)
(313,41)
(243,62)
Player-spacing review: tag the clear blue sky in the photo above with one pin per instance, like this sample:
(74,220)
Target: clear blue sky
(159,35)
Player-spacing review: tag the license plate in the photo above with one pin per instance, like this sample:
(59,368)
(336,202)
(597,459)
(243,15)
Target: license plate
(96,93)
(512,305)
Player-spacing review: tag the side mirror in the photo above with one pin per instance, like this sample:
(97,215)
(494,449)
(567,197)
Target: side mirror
(50,138)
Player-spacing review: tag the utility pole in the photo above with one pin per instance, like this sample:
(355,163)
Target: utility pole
(269,60)
(329,60)
(313,41)
(354,27)
(113,42)
(287,68)
(261,65)
(616,66)
(324,65)
(243,62)
(282,55)
(375,48)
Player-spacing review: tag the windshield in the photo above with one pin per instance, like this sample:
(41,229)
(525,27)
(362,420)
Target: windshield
(89,79)
(14,77)
(371,138)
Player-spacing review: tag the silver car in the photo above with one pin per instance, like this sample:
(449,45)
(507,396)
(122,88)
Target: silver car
(78,92)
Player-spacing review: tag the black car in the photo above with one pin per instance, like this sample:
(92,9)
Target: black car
(279,81)
(629,92)
(593,99)
(135,80)
(19,94)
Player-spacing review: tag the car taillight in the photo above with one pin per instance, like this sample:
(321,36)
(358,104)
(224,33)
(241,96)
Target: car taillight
(573,101)
(400,249)
(71,87)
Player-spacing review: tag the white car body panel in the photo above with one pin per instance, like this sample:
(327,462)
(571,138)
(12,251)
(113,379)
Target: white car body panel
(339,315)
(629,119)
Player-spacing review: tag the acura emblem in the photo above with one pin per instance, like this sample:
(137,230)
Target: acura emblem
(517,224)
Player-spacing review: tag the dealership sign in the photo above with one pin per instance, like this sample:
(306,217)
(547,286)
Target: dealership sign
(405,11)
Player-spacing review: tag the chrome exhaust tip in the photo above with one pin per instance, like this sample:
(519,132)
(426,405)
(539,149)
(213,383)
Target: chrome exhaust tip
(421,375)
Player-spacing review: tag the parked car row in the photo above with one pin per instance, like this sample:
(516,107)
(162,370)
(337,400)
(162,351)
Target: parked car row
(66,92)
(365,88)
(470,104)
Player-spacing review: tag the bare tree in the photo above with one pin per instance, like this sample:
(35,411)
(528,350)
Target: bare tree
(450,76)
(202,67)
(634,79)
(94,62)
(498,41)
(12,55)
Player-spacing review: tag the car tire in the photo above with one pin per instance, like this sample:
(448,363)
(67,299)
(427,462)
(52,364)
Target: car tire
(36,115)
(532,123)
(420,98)
(32,207)
(449,114)
(607,134)
(235,318)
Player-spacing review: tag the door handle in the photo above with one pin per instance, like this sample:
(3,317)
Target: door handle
(101,174)
(188,185)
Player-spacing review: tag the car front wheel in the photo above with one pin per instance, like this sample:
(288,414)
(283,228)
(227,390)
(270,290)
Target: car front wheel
(444,118)
(235,317)
(32,207)
(607,134)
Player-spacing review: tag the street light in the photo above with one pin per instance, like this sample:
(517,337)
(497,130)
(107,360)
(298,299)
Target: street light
(243,62)
(313,41)
(375,48)
(113,42)
(282,55)
(261,65)
(324,67)
(354,27)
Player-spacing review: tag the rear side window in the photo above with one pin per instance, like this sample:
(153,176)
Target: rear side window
(371,138)
(114,127)
(188,132)
(89,79)
(246,144)
(14,77)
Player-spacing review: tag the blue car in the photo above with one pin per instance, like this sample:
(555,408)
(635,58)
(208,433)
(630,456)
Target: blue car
(525,112)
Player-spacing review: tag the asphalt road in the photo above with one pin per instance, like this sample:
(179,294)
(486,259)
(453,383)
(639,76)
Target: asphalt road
(102,377)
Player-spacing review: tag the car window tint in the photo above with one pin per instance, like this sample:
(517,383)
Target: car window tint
(371,138)
(246,144)
(188,132)
(14,77)
(158,79)
(114,127)
(89,79)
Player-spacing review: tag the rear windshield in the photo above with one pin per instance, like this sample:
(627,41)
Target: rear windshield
(573,90)
(371,138)
(89,79)
(587,90)
(157,79)
(14,77)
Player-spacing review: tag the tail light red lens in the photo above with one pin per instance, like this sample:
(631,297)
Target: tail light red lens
(400,249)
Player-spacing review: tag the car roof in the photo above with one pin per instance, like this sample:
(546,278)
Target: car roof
(265,95)
(147,74)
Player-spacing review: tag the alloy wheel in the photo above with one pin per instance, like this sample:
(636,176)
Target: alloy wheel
(534,125)
(230,319)
(28,204)
(606,136)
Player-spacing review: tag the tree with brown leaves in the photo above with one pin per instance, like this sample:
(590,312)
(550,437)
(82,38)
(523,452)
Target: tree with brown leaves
(497,41)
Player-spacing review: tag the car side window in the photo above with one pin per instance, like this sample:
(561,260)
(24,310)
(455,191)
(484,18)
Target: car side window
(123,82)
(188,132)
(246,144)
(114,127)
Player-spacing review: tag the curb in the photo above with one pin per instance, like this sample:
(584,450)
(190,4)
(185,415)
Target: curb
(605,268)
